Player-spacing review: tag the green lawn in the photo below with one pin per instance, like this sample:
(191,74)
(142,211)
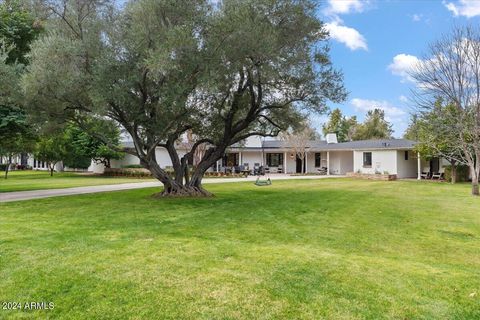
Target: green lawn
(37,180)
(311,249)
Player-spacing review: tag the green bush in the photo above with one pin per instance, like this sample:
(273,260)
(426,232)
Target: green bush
(3,166)
(127,172)
(133,166)
(462,173)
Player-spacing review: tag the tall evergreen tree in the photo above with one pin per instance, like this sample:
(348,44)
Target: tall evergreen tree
(343,127)
(375,126)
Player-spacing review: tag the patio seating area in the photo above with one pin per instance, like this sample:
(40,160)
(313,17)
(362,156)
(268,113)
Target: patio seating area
(432,175)
(246,170)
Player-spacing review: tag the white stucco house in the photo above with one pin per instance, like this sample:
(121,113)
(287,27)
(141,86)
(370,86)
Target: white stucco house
(386,156)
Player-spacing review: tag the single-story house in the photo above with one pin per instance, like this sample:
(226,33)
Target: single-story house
(385,156)
(392,156)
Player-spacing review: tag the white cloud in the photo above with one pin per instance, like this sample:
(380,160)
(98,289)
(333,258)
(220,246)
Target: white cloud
(417,17)
(392,113)
(402,65)
(340,32)
(346,35)
(466,8)
(345,6)
(403,99)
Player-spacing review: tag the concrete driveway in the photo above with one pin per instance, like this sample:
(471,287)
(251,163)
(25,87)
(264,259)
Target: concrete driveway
(38,194)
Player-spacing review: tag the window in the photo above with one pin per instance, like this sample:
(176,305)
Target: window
(367,159)
(406,155)
(318,160)
(274,159)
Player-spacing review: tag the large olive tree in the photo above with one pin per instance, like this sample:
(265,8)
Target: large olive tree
(222,71)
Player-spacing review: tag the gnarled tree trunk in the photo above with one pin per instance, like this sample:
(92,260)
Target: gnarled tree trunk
(175,186)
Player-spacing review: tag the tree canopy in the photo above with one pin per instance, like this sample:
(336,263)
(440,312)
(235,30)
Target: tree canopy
(344,127)
(222,71)
(16,134)
(18,28)
(51,149)
(82,146)
(375,126)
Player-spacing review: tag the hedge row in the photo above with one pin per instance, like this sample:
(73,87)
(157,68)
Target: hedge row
(127,172)
(144,173)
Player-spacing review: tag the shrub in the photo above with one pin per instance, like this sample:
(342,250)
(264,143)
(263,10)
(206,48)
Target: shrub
(462,173)
(127,172)
(3,166)
(133,166)
(23,167)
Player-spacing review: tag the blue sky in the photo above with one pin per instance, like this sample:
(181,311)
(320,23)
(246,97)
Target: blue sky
(374,42)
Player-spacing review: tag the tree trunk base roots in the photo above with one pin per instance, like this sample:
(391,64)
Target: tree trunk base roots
(184,192)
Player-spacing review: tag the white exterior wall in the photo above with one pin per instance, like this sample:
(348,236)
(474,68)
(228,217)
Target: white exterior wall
(31,162)
(311,162)
(382,160)
(406,168)
(251,157)
(163,159)
(128,159)
(443,163)
(95,167)
(291,163)
(341,162)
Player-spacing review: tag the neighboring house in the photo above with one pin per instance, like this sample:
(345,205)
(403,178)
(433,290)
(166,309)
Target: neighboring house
(42,165)
(392,156)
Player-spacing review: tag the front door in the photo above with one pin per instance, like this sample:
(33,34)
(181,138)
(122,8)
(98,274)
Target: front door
(299,165)
(434,165)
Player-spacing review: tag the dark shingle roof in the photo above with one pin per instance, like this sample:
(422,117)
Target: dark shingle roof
(386,144)
(321,145)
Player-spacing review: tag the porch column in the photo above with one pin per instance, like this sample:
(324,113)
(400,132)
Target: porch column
(306,162)
(240,159)
(218,165)
(328,163)
(284,162)
(419,166)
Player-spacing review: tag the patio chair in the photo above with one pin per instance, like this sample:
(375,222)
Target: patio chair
(262,171)
(280,169)
(425,175)
(437,175)
(322,170)
(256,169)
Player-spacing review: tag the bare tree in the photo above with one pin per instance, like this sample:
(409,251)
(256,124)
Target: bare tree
(298,141)
(451,72)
